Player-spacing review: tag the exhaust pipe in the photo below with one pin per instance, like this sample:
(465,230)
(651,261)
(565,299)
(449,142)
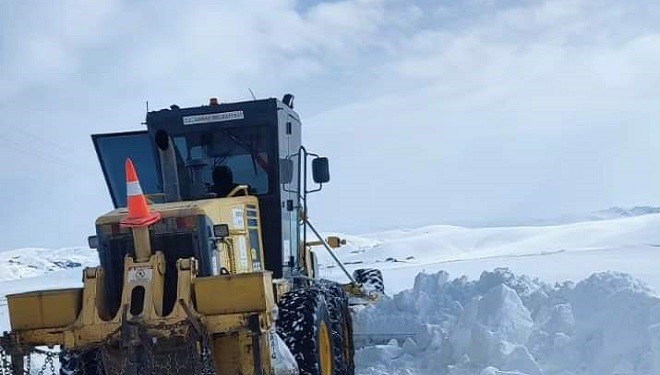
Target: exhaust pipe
(169,170)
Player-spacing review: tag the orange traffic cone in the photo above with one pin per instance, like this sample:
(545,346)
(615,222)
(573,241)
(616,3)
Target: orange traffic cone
(139,214)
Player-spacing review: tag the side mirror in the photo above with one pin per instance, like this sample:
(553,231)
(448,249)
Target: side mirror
(321,170)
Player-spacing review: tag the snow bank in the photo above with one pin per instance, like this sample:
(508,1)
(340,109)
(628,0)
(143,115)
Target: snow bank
(506,324)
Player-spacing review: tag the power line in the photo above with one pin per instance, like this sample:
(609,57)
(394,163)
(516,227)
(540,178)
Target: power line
(53,159)
(39,138)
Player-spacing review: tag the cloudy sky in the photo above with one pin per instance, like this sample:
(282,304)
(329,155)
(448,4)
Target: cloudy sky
(466,112)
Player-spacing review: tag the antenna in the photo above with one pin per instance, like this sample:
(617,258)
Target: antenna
(252,93)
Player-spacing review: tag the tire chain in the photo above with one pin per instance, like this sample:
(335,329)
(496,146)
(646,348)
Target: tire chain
(47,368)
(199,360)
(337,302)
(6,364)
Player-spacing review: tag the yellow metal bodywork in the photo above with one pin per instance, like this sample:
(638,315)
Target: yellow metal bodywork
(325,350)
(235,253)
(44,309)
(231,326)
(231,294)
(237,310)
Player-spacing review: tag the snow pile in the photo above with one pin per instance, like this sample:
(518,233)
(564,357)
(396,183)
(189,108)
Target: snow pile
(508,324)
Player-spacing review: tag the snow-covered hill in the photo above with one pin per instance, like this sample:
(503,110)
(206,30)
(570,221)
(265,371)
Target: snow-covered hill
(451,317)
(35,262)
(553,253)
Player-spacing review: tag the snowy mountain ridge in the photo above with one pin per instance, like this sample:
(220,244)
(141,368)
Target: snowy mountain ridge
(617,212)
(554,253)
(34,262)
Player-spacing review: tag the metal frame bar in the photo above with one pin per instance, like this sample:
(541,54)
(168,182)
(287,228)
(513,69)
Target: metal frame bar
(332,254)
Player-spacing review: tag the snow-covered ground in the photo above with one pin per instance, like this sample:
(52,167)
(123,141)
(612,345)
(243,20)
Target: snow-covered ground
(444,315)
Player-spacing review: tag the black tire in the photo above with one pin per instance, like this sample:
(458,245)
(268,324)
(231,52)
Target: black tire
(302,313)
(74,362)
(342,326)
(371,279)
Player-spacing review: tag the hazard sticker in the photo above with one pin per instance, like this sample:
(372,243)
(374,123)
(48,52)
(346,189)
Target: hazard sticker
(140,274)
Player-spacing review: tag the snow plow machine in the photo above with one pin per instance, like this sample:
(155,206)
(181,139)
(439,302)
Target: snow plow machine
(207,264)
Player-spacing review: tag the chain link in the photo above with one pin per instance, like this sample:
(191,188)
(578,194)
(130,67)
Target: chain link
(5,363)
(24,367)
(28,361)
(194,356)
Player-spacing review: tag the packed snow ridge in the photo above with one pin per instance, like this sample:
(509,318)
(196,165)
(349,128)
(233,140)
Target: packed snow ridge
(503,323)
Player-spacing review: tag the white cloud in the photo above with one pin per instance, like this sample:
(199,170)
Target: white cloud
(432,111)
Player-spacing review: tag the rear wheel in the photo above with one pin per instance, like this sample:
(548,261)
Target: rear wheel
(371,279)
(342,326)
(305,326)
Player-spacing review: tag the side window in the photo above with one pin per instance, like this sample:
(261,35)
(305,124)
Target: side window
(113,150)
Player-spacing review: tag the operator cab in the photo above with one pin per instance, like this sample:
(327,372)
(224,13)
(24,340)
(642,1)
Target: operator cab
(208,150)
(253,143)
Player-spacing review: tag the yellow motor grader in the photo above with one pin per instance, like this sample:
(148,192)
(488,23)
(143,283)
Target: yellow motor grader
(206,265)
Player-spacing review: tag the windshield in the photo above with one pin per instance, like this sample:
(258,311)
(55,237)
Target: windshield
(114,149)
(215,162)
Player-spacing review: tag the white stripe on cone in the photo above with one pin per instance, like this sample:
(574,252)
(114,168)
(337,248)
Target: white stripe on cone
(133,188)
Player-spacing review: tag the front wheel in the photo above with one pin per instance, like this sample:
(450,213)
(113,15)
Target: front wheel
(305,326)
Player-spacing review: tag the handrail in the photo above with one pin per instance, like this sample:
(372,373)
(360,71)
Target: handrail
(245,188)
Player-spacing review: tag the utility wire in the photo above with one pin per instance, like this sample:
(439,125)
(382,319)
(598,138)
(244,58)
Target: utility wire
(53,159)
(39,138)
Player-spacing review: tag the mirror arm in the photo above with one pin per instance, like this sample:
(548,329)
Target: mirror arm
(315,190)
